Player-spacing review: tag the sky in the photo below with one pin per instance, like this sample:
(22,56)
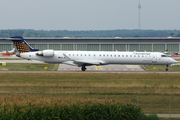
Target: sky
(89,14)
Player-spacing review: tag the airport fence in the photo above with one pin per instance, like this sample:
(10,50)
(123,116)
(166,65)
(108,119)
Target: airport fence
(152,100)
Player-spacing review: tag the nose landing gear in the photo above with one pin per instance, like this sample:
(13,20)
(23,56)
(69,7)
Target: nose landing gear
(83,68)
(166,68)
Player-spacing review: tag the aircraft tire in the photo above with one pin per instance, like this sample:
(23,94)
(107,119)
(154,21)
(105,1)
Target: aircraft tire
(83,68)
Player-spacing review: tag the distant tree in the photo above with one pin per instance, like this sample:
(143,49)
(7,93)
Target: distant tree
(178,35)
(89,33)
(171,34)
(136,36)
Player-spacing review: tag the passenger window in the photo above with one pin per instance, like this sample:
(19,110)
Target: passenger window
(142,56)
(114,55)
(107,55)
(138,55)
(111,55)
(130,55)
(126,55)
(73,54)
(122,55)
(77,54)
(104,55)
(100,55)
(118,55)
(85,55)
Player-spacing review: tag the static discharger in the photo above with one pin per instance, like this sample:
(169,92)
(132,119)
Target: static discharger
(98,67)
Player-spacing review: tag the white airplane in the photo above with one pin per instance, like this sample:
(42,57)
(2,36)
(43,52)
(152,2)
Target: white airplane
(88,58)
(11,52)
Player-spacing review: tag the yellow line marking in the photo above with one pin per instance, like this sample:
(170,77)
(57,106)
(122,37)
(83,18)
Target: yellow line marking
(100,67)
(96,67)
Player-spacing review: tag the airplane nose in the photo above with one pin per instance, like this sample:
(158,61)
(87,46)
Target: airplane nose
(175,61)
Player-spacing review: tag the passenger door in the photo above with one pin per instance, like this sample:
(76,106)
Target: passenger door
(154,59)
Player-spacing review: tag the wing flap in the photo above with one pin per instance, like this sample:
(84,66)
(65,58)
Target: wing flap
(85,62)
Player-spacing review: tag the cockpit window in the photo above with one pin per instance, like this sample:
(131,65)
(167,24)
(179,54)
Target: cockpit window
(164,56)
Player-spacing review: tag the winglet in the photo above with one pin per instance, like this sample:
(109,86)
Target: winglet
(67,57)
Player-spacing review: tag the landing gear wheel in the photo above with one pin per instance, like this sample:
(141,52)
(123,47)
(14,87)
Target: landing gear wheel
(83,68)
(166,68)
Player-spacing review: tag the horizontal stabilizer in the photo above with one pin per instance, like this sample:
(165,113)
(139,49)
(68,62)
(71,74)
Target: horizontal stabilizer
(12,39)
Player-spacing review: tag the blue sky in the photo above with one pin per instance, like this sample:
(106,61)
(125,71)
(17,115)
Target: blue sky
(89,14)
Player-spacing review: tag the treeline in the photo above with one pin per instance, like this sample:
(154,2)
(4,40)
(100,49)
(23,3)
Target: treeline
(89,33)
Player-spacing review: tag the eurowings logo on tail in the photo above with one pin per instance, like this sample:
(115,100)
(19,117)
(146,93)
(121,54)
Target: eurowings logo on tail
(21,45)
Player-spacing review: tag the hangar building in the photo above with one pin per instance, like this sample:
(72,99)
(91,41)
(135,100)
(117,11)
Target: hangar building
(100,44)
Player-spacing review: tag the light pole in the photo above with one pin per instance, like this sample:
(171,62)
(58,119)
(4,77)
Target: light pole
(139,6)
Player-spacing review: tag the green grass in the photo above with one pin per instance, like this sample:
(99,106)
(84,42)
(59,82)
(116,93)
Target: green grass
(152,89)
(40,67)
(28,67)
(136,80)
(162,68)
(177,59)
(12,59)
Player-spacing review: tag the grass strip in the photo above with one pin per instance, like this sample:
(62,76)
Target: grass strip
(29,67)
(12,59)
(136,80)
(153,88)
(161,68)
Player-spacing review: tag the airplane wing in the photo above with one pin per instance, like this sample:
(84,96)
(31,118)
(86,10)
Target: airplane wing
(8,52)
(69,63)
(83,62)
(86,62)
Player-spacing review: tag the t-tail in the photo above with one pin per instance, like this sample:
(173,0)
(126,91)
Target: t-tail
(21,45)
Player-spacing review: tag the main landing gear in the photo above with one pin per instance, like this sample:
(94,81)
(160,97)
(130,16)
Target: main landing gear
(166,68)
(83,68)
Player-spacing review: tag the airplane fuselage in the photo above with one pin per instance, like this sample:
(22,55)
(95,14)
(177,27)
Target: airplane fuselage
(87,58)
(103,58)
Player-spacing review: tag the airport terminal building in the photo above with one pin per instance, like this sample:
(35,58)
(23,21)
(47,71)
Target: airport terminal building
(100,44)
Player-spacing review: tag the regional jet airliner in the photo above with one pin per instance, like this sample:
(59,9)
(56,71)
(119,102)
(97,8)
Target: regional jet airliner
(88,58)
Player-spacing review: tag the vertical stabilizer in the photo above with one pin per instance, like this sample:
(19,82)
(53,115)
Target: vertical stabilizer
(21,45)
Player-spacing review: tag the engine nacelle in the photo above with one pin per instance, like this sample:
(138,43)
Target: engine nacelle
(46,53)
